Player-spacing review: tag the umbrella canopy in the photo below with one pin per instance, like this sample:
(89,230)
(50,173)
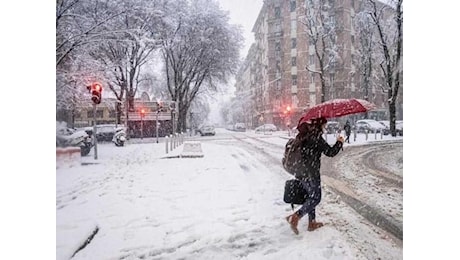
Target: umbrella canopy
(336,108)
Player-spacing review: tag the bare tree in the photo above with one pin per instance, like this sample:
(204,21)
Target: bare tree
(125,49)
(365,59)
(79,24)
(200,49)
(320,25)
(388,20)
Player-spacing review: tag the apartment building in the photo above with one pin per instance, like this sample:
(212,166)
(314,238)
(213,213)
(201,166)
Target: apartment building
(275,71)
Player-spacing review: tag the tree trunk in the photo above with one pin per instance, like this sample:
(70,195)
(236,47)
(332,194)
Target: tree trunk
(392,111)
(182,120)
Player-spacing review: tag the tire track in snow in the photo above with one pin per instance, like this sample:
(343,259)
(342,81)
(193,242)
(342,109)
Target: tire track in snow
(371,213)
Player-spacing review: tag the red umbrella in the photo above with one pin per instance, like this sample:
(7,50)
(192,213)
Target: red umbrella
(337,108)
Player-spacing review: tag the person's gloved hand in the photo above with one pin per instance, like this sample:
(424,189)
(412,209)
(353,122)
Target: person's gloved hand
(340,139)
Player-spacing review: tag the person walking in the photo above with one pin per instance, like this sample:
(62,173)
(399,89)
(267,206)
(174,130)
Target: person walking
(347,129)
(313,145)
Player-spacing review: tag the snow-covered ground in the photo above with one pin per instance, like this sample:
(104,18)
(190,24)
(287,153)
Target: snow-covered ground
(226,205)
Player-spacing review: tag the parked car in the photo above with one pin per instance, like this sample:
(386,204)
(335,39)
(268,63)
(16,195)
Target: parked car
(368,125)
(266,128)
(398,126)
(386,124)
(332,127)
(104,133)
(240,127)
(70,137)
(207,130)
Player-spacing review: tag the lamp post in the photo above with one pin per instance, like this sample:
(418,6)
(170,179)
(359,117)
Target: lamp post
(159,108)
(157,124)
(192,127)
(142,122)
(95,131)
(287,113)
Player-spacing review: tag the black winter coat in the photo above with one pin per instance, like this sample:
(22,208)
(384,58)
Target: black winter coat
(347,129)
(312,149)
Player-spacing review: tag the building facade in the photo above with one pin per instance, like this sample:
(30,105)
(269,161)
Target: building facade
(142,120)
(275,71)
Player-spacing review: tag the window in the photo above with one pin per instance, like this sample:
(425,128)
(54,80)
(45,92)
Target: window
(293,5)
(293,43)
(293,25)
(90,114)
(278,66)
(278,46)
(293,61)
(278,86)
(112,113)
(277,12)
(294,80)
(77,114)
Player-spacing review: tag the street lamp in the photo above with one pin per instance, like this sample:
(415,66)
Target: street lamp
(157,124)
(159,107)
(287,114)
(142,122)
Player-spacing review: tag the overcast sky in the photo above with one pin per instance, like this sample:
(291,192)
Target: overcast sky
(243,12)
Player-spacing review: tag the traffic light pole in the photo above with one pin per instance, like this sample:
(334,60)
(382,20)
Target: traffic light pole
(142,126)
(94,132)
(156,122)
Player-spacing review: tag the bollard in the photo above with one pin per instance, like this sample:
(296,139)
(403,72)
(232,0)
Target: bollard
(381,134)
(367,133)
(354,135)
(166,142)
(171,142)
(375,132)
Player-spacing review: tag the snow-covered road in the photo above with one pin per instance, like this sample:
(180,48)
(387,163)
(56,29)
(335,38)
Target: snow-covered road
(226,205)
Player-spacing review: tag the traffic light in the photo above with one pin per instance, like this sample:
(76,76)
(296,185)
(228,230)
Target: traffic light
(96,91)
(159,106)
(287,111)
(172,105)
(142,112)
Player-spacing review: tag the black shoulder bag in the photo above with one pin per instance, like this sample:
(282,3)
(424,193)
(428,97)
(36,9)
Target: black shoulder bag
(294,193)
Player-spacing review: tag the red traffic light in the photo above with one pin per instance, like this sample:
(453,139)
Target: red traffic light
(97,87)
(288,108)
(142,111)
(96,93)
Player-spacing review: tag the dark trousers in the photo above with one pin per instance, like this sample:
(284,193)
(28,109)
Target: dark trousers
(313,188)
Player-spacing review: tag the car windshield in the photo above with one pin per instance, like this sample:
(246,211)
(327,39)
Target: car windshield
(385,123)
(375,124)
